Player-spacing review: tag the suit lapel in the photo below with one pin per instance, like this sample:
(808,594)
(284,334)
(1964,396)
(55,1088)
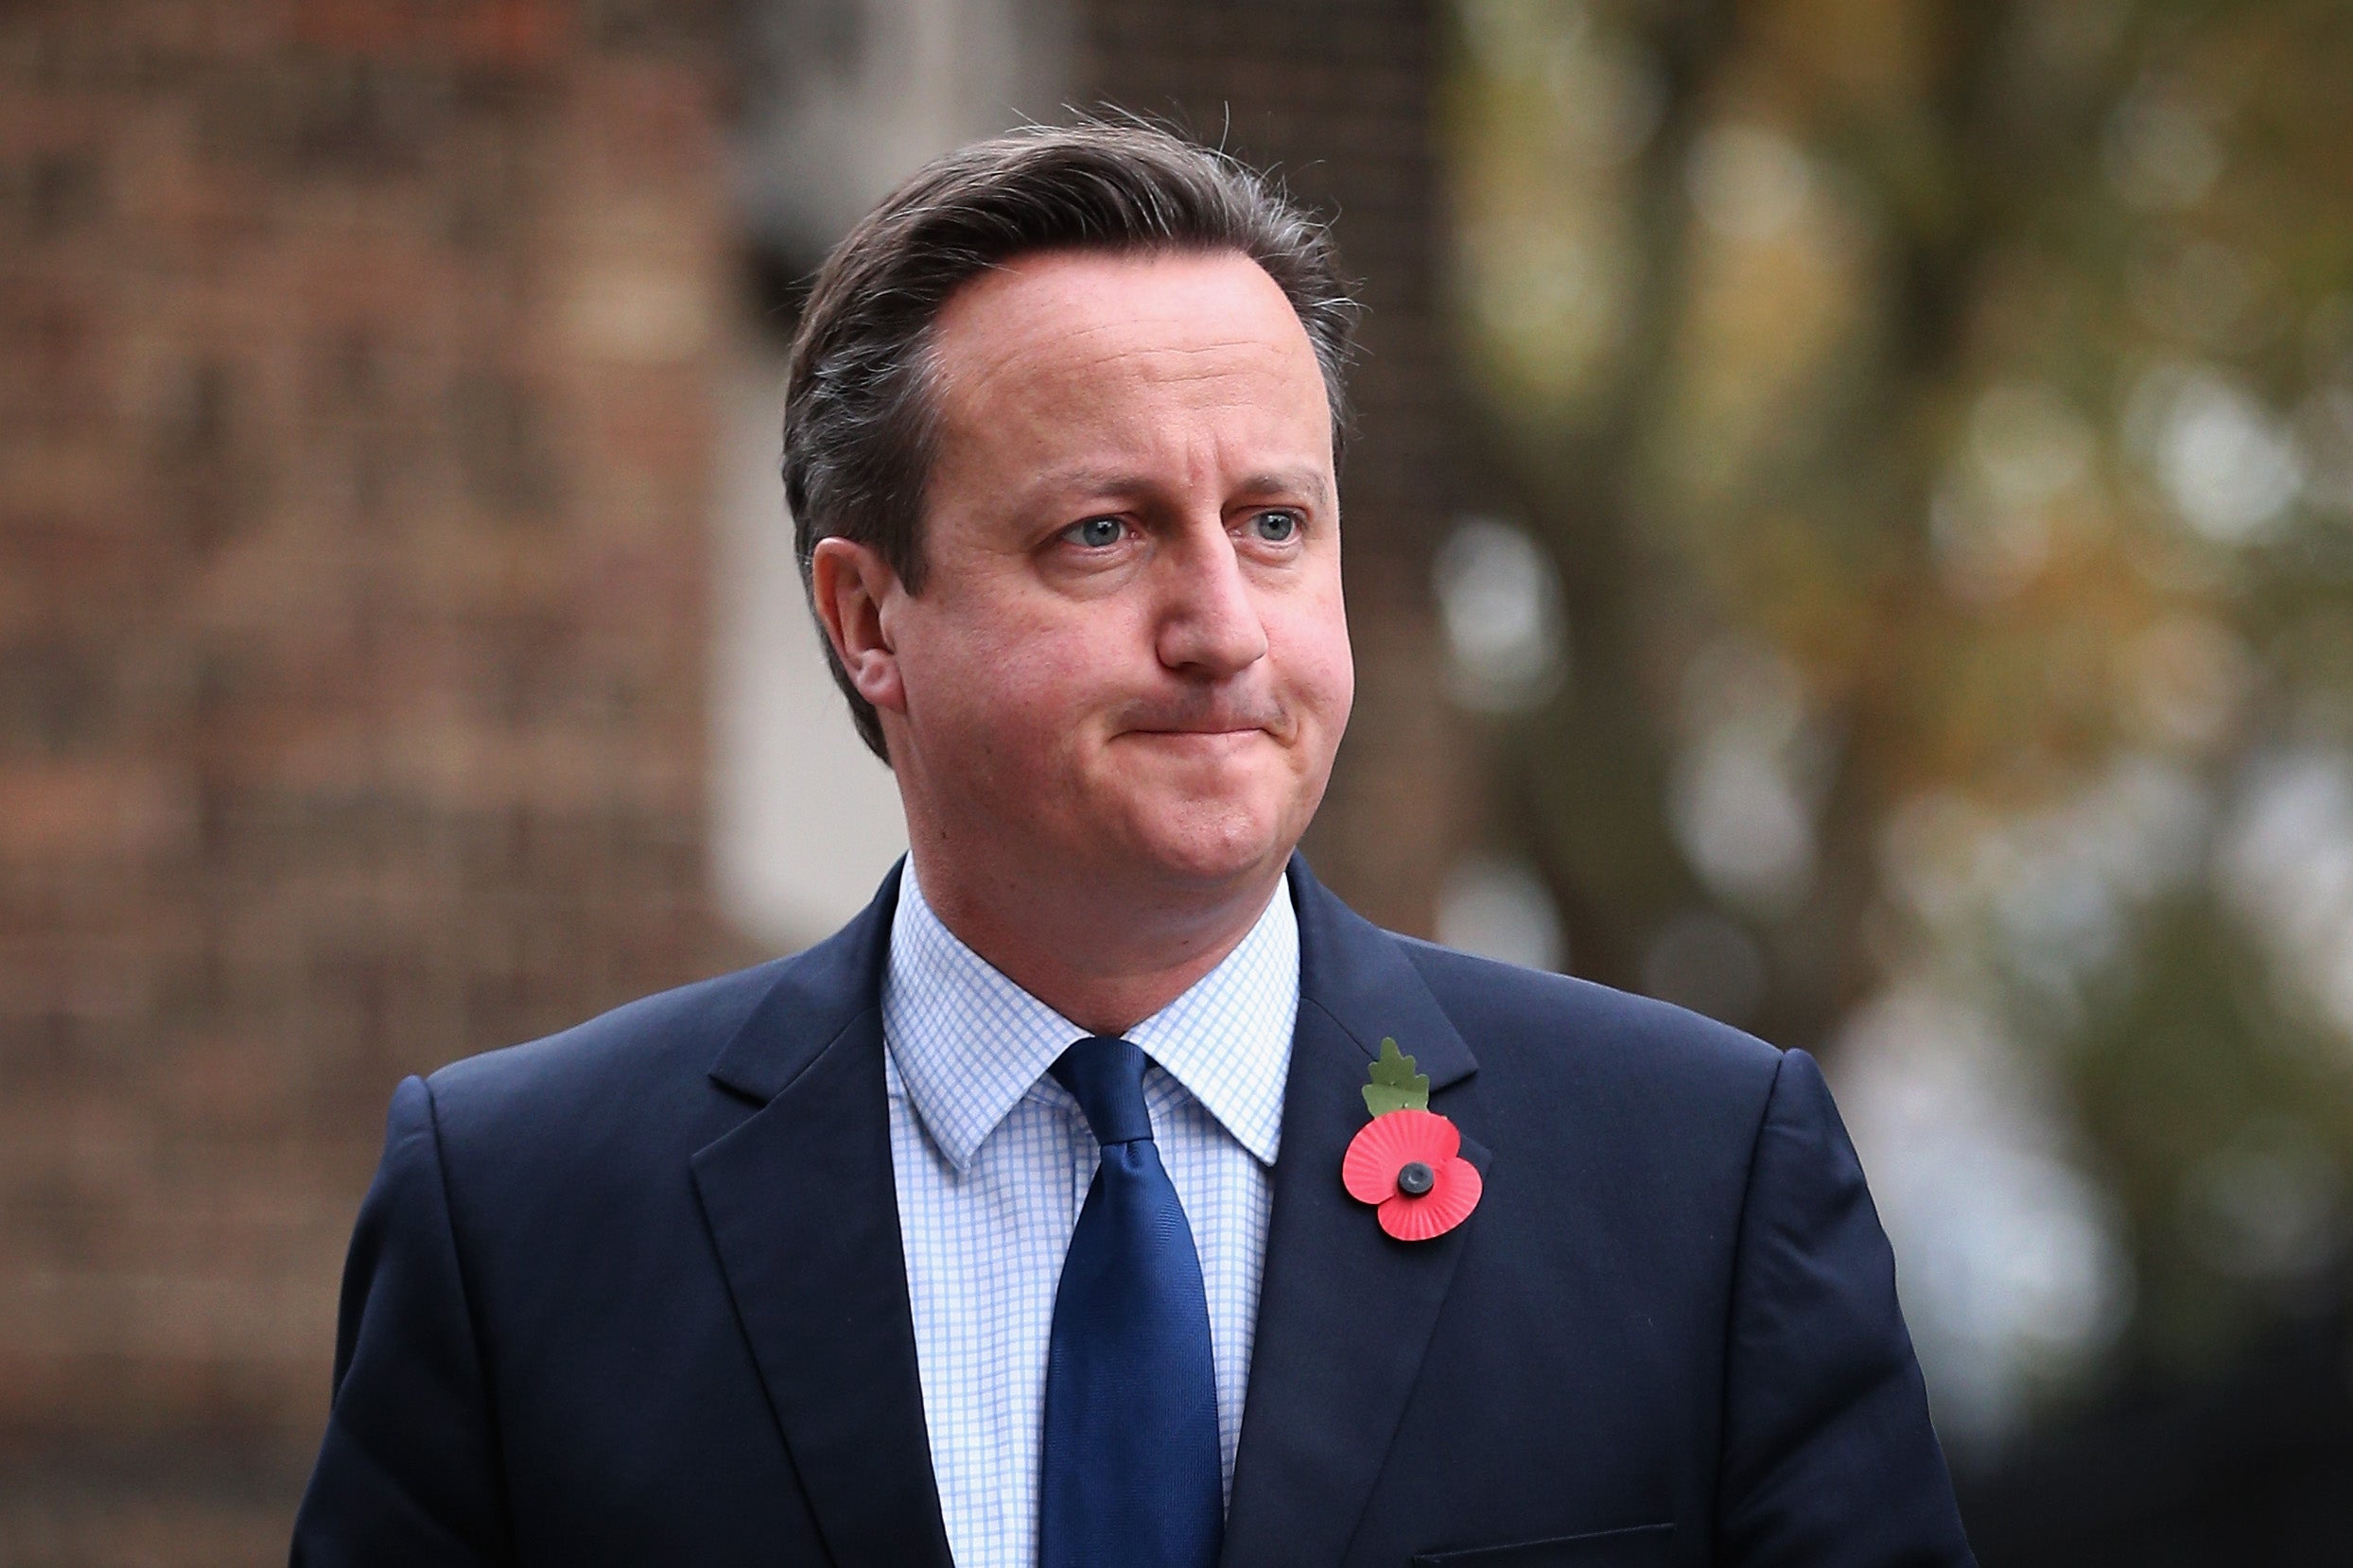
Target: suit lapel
(1344,1313)
(805,1216)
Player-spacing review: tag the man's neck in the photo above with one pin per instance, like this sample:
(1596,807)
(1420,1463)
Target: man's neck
(1105,969)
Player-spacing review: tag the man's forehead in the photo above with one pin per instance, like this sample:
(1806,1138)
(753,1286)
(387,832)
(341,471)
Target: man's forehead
(1053,323)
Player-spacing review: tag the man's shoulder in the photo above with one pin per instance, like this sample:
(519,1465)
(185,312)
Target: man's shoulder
(1553,1032)
(1643,1117)
(1559,1007)
(581,1109)
(634,1048)
(1562,1039)
(677,1055)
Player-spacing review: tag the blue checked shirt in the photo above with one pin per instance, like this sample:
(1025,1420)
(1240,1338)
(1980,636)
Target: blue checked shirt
(992,1159)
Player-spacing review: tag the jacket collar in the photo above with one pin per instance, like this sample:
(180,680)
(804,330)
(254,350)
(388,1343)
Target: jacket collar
(804,1218)
(818,994)
(1321,1412)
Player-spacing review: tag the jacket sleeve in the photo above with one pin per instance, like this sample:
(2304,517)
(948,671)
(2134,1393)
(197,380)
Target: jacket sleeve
(408,1472)
(1829,1460)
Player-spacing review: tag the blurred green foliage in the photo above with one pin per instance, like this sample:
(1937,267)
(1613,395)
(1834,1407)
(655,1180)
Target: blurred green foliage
(1941,416)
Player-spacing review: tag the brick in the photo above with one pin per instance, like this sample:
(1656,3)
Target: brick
(347,724)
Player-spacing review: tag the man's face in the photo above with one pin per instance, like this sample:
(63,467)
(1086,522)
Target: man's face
(1130,654)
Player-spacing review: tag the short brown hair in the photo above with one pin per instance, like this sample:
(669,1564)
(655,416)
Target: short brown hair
(859,425)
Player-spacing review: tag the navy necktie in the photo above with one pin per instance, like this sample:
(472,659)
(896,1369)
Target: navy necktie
(1129,1474)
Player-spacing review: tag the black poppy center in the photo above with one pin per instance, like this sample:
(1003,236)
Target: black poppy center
(1416,1179)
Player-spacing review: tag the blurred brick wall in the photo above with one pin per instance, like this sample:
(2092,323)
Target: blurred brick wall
(1338,98)
(353,453)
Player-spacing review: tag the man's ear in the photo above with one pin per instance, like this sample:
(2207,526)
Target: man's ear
(850,583)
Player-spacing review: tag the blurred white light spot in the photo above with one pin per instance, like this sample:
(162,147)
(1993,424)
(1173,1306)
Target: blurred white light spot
(2059,916)
(2161,154)
(1499,601)
(1736,683)
(1747,181)
(2286,864)
(1739,795)
(2226,464)
(2044,894)
(1549,295)
(1509,37)
(1991,520)
(1928,854)
(1708,964)
(2008,1259)
(1500,908)
(1608,97)
(1742,824)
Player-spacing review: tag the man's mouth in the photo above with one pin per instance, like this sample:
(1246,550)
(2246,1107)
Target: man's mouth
(1224,719)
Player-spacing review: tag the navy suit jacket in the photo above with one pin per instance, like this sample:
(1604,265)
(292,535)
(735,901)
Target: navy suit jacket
(635,1295)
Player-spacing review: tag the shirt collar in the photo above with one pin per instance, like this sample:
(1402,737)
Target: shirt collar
(965,1043)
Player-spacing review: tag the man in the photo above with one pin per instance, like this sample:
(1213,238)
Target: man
(1008,1226)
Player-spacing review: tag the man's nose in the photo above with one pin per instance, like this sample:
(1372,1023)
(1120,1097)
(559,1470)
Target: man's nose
(1209,623)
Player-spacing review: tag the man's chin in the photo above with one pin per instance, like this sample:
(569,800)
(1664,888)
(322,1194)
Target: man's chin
(1210,848)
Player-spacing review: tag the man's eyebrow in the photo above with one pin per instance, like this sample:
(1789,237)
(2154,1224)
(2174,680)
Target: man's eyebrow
(1087,482)
(1106,483)
(1287,482)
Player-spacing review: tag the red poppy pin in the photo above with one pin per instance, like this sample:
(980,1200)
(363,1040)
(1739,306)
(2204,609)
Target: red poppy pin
(1408,1159)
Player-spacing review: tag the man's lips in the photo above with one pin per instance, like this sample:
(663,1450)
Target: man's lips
(1193,747)
(1196,729)
(1200,736)
(1225,718)
(1201,739)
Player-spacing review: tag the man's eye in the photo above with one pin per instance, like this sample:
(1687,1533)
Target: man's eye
(1276,528)
(1098,532)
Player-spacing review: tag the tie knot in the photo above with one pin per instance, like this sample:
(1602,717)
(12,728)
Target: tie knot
(1105,1076)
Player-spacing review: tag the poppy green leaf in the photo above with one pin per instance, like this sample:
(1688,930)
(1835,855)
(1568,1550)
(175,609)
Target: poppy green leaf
(1395,1084)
